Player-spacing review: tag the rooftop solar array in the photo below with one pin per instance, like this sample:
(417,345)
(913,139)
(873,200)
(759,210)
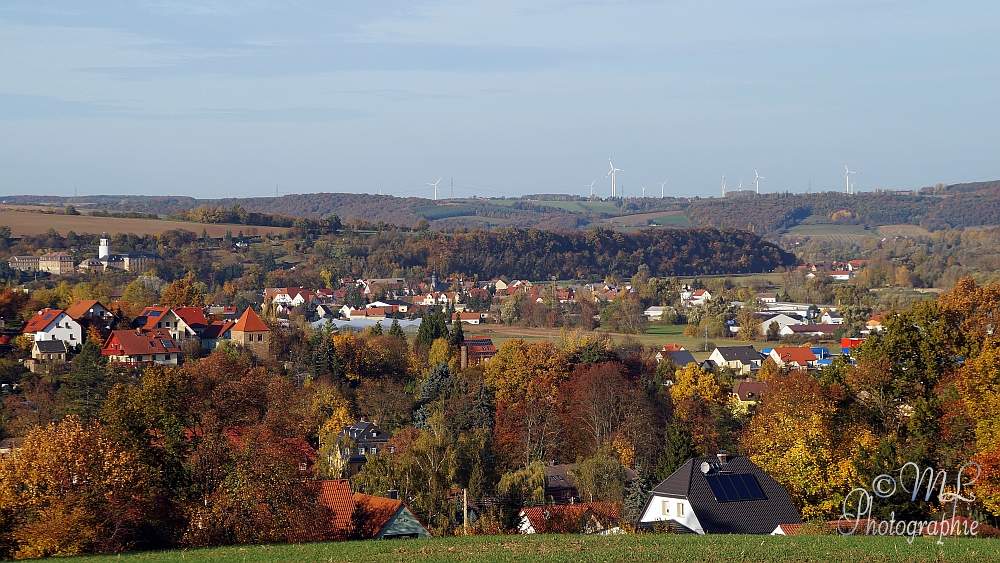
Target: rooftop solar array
(734,487)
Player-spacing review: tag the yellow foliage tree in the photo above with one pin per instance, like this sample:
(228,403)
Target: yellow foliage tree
(182,293)
(693,381)
(70,490)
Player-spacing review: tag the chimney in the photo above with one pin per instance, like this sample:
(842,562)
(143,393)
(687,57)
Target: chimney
(392,493)
(722,457)
(465,357)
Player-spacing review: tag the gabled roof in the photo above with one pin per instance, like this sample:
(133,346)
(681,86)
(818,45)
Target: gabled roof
(250,322)
(217,329)
(139,343)
(42,320)
(749,390)
(337,495)
(51,346)
(380,510)
(760,516)
(799,355)
(79,309)
(680,357)
(194,317)
(738,353)
(152,315)
(363,431)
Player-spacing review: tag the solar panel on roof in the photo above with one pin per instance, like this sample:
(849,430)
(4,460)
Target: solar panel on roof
(167,343)
(734,487)
(155,313)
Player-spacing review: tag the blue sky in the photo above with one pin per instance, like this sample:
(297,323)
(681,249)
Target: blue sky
(216,98)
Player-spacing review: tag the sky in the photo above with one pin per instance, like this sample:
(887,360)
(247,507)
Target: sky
(218,98)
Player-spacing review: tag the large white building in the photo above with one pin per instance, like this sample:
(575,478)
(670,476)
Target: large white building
(54,324)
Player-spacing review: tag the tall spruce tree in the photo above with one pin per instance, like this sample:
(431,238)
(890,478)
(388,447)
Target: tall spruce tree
(88,381)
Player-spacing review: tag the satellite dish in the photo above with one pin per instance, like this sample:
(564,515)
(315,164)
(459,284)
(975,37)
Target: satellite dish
(705,467)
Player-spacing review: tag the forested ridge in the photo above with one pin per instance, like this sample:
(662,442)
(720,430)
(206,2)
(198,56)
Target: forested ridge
(539,255)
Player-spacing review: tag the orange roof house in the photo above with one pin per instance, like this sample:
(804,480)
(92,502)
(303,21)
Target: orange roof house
(251,333)
(142,346)
(88,309)
(379,517)
(794,357)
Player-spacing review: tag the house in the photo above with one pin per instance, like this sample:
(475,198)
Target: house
(24,263)
(142,347)
(559,485)
(841,275)
(360,440)
(793,357)
(379,518)
(56,263)
(782,319)
(291,296)
(128,261)
(855,265)
(819,330)
(90,312)
(699,297)
(326,310)
(741,359)
(479,349)
(749,392)
(719,495)
(216,332)
(831,318)
(583,518)
(874,323)
(394,304)
(468,318)
(45,353)
(766,297)
(152,318)
(675,353)
(848,344)
(251,333)
(54,324)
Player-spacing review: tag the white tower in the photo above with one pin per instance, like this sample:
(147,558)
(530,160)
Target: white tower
(104,251)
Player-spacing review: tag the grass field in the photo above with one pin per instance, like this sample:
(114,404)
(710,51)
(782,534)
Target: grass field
(671,218)
(24,223)
(626,548)
(902,231)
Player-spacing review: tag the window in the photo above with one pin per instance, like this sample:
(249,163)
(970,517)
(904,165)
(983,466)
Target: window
(665,509)
(392,449)
(680,509)
(374,450)
(361,450)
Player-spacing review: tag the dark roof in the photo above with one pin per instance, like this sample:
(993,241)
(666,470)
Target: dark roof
(217,329)
(749,390)
(681,357)
(734,517)
(739,353)
(51,346)
(364,433)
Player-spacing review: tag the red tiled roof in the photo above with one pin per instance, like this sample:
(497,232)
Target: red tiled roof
(42,320)
(82,307)
(192,316)
(672,348)
(749,390)
(153,315)
(338,496)
(136,343)
(380,510)
(250,322)
(799,355)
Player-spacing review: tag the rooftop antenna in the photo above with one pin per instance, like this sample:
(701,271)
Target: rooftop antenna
(435,185)
(757,180)
(847,178)
(661,187)
(614,187)
(591,186)
(723,185)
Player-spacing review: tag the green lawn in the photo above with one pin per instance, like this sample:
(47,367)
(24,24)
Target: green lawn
(671,548)
(673,220)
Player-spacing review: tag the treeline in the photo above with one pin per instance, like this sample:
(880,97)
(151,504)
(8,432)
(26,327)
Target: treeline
(237,215)
(540,255)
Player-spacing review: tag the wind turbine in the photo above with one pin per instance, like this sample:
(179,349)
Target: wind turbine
(661,188)
(723,185)
(435,185)
(614,187)
(847,178)
(644,192)
(591,186)
(757,180)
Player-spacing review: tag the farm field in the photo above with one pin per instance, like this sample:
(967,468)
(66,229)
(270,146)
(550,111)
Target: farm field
(657,336)
(828,229)
(625,548)
(574,206)
(671,218)
(902,231)
(25,223)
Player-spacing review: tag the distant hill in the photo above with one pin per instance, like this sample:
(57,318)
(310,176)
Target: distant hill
(938,207)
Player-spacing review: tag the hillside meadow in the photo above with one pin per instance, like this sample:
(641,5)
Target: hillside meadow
(625,548)
(23,223)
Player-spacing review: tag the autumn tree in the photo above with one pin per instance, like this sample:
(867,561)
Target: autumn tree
(600,477)
(71,490)
(182,292)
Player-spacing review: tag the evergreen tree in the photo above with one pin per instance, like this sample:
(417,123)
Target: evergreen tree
(437,387)
(375,330)
(396,331)
(677,451)
(325,359)
(88,381)
(457,335)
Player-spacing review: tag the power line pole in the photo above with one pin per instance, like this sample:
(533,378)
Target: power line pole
(465,510)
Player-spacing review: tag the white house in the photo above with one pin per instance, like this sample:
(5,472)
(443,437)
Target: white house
(721,495)
(655,313)
(832,318)
(841,275)
(741,359)
(782,319)
(54,324)
(699,297)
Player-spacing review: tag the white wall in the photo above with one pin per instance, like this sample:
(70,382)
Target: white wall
(71,334)
(655,512)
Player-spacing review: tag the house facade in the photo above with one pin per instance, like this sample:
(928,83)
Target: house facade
(360,440)
(741,359)
(719,495)
(793,357)
(251,333)
(56,263)
(139,346)
(54,324)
